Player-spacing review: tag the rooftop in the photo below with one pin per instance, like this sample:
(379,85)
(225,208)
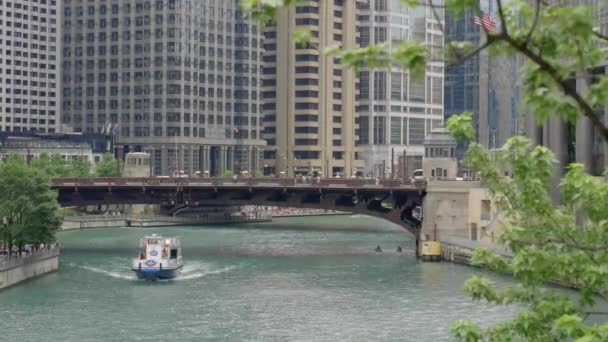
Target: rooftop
(439,136)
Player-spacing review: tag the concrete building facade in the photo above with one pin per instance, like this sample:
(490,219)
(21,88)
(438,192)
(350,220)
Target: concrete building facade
(175,78)
(439,161)
(30,68)
(396,109)
(456,210)
(309,98)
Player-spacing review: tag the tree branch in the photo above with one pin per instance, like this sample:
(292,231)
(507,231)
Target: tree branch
(600,36)
(567,89)
(436,17)
(462,58)
(502,17)
(534,23)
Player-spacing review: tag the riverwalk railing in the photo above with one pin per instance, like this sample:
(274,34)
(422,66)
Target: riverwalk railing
(202,219)
(11,261)
(92,218)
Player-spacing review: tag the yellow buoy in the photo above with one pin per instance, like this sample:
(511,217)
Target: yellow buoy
(430,250)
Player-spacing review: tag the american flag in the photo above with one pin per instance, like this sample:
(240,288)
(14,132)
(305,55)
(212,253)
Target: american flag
(486,22)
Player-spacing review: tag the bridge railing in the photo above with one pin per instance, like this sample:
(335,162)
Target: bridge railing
(277,182)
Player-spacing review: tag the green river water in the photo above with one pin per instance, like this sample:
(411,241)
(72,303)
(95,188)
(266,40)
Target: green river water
(296,279)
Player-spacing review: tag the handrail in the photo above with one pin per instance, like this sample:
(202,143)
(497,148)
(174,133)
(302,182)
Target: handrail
(13,261)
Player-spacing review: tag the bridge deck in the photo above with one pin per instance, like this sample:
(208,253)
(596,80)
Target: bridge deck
(342,184)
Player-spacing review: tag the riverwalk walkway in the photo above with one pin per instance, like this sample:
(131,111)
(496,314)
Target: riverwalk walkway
(16,268)
(460,250)
(101,221)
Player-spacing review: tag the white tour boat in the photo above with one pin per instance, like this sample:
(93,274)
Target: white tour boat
(159,258)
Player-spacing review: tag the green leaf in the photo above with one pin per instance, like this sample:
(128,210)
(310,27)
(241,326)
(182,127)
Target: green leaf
(457,7)
(410,3)
(372,56)
(466,331)
(460,126)
(302,36)
(410,55)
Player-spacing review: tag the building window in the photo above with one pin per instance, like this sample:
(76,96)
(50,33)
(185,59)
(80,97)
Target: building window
(396,130)
(485,209)
(379,130)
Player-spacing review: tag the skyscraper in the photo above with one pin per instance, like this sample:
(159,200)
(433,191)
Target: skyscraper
(309,98)
(487,87)
(29,65)
(462,80)
(396,109)
(176,78)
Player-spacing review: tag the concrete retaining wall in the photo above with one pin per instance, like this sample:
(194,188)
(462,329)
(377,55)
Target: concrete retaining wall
(102,223)
(16,270)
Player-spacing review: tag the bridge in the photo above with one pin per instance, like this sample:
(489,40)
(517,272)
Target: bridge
(394,200)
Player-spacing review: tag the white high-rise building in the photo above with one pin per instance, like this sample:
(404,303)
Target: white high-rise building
(397,110)
(29,65)
(176,78)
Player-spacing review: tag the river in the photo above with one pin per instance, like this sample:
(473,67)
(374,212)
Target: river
(295,279)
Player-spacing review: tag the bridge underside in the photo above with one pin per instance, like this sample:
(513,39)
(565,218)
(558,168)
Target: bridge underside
(394,206)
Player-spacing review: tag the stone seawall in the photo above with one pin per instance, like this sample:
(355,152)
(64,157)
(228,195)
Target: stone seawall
(16,270)
(72,224)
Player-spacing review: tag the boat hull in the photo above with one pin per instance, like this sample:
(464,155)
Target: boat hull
(157,273)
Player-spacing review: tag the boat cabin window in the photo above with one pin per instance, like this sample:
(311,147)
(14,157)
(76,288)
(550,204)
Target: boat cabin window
(174,254)
(152,242)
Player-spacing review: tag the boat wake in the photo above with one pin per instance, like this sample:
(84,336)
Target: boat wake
(198,271)
(189,272)
(115,275)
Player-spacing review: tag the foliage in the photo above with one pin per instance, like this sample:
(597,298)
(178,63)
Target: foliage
(107,166)
(547,242)
(567,242)
(55,166)
(63,212)
(28,206)
(302,36)
(79,168)
(264,11)
(460,126)
(228,173)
